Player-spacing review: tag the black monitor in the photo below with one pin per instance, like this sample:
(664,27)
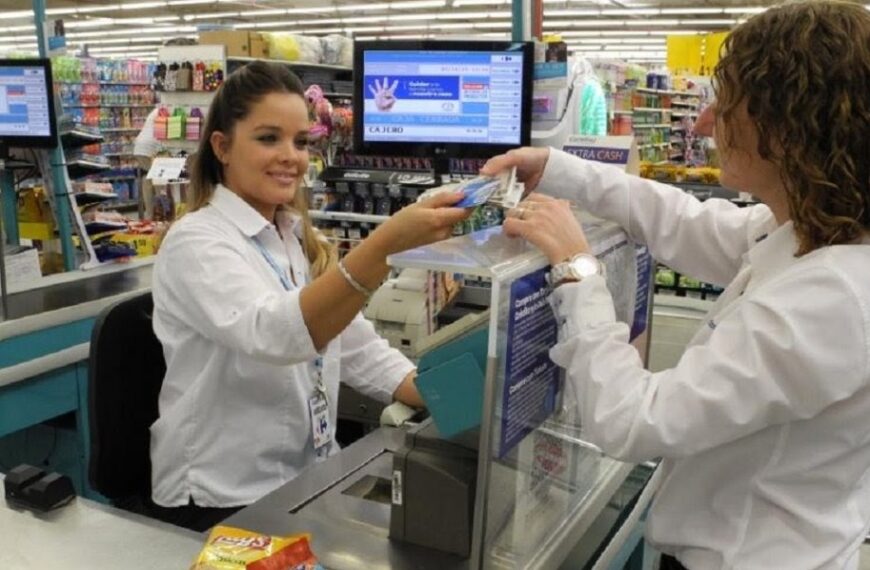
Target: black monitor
(27,116)
(442,99)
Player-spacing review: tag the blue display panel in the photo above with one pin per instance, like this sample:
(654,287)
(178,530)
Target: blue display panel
(25,109)
(426,96)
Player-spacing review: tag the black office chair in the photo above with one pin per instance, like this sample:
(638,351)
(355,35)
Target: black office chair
(125,373)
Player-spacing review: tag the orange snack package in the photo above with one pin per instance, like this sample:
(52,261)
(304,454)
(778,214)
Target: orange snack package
(231,548)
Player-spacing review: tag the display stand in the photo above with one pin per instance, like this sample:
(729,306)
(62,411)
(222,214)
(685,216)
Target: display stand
(539,484)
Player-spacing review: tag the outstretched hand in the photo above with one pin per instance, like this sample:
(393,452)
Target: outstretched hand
(384,94)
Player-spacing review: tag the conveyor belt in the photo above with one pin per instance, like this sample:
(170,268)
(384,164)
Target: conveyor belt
(63,295)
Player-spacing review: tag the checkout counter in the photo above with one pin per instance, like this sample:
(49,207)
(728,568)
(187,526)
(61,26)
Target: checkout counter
(44,345)
(507,482)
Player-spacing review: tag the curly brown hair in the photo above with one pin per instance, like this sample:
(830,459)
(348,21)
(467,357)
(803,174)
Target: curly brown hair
(803,71)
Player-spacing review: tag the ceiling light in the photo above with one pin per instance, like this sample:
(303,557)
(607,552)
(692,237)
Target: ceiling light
(363,7)
(210,15)
(364,29)
(651,23)
(188,2)
(418,4)
(569,13)
(142,5)
(709,22)
(459,3)
(746,10)
(493,25)
(631,12)
(16,14)
(404,17)
(318,10)
(363,19)
(319,22)
(678,11)
(405,28)
(261,13)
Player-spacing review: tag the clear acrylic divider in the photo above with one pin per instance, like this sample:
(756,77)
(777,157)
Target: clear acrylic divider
(539,484)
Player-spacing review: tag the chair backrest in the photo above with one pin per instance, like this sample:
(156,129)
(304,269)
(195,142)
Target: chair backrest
(125,373)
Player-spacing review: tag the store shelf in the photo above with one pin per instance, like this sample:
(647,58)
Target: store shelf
(651,110)
(684,114)
(654,145)
(293,63)
(129,83)
(83,167)
(85,198)
(347,217)
(104,227)
(123,130)
(622,112)
(667,92)
(656,126)
(110,106)
(117,154)
(683,104)
(76,138)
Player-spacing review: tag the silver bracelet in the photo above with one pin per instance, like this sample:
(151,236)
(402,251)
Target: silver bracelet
(351,281)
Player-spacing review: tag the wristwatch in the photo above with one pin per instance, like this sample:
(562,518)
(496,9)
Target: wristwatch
(577,268)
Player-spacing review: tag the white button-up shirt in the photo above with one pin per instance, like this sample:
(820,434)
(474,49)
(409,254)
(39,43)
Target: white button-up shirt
(764,423)
(234,417)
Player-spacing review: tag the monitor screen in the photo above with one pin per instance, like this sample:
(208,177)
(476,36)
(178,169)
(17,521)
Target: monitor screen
(441,98)
(27,103)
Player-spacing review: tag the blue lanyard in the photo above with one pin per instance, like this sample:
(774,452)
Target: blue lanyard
(285,281)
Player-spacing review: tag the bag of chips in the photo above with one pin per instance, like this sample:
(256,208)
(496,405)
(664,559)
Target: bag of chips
(231,548)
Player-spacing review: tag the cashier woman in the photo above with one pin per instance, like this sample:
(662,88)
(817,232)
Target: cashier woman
(764,423)
(257,319)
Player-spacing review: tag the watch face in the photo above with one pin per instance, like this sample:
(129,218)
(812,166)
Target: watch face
(584,266)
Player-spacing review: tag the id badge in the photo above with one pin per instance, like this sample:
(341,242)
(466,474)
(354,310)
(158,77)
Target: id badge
(321,430)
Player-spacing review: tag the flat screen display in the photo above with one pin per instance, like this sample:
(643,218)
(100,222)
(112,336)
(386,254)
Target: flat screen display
(26,103)
(471,97)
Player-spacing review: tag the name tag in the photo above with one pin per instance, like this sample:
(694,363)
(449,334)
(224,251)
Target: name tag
(321,430)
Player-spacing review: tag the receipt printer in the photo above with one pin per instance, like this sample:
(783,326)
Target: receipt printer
(32,488)
(433,490)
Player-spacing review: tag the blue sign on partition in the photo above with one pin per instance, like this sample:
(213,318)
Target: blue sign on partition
(641,301)
(531,378)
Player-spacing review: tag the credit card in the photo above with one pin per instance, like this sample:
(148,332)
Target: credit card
(477,191)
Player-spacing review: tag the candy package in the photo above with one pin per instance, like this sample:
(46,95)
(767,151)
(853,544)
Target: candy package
(231,548)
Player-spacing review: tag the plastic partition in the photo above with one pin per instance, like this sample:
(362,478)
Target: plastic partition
(539,483)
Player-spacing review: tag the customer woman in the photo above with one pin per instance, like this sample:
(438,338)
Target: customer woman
(257,319)
(763,423)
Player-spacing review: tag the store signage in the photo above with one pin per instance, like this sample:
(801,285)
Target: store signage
(166,169)
(619,151)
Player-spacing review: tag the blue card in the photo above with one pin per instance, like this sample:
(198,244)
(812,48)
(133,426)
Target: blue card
(477,191)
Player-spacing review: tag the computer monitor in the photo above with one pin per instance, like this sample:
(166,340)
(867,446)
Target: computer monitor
(27,116)
(442,99)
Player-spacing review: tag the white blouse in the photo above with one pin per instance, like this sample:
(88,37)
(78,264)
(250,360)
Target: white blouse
(234,416)
(764,423)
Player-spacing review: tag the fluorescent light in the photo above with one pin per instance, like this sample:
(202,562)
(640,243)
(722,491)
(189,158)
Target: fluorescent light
(406,17)
(188,2)
(17,29)
(210,15)
(456,26)
(492,25)
(319,22)
(746,10)
(459,3)
(460,16)
(318,10)
(405,28)
(418,4)
(631,12)
(678,11)
(364,19)
(709,22)
(60,11)
(16,14)
(259,13)
(570,12)
(676,33)
(363,29)
(363,7)
(651,23)
(142,5)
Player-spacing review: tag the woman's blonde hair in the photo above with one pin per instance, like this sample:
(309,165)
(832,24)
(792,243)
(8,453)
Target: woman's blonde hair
(232,102)
(803,72)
